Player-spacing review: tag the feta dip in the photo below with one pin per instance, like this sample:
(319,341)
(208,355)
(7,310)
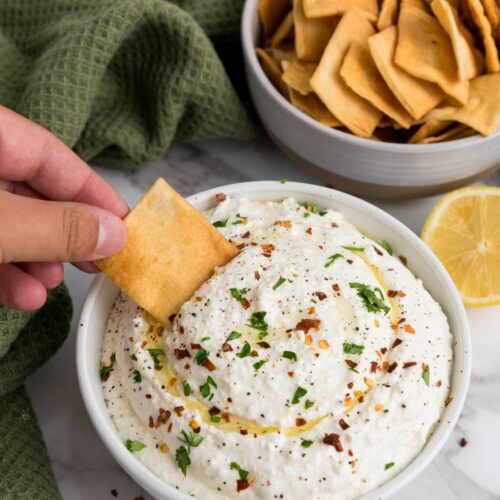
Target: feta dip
(313,365)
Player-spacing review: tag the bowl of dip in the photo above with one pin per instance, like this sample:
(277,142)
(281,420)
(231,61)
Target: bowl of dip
(330,358)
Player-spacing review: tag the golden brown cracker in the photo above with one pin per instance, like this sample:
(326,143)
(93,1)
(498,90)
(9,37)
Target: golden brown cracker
(171,250)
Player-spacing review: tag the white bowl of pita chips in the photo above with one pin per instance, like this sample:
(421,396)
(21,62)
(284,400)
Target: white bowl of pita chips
(219,458)
(354,107)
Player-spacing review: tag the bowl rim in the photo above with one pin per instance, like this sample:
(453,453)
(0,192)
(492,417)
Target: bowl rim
(92,393)
(250,10)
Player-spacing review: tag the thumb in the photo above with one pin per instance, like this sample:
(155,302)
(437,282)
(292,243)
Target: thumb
(33,230)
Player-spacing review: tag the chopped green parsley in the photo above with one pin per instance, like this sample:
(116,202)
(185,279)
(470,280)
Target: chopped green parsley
(389,465)
(191,440)
(333,258)
(133,446)
(245,351)
(186,388)
(354,249)
(353,348)
(240,219)
(206,388)
(313,208)
(182,459)
(232,336)
(278,283)
(306,443)
(105,371)
(137,376)
(201,356)
(372,299)
(238,294)
(290,355)
(308,404)
(259,364)
(242,472)
(156,354)
(426,373)
(221,223)
(387,247)
(215,419)
(300,392)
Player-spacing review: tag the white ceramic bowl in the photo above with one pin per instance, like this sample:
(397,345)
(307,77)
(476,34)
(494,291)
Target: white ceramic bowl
(367,218)
(357,165)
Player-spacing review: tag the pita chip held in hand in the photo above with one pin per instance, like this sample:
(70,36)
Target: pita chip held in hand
(172,249)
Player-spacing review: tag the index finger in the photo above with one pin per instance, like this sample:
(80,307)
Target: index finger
(31,154)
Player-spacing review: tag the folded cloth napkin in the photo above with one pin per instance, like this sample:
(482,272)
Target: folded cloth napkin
(26,341)
(118,81)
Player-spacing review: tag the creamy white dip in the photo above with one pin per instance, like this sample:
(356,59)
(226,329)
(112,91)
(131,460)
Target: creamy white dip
(336,376)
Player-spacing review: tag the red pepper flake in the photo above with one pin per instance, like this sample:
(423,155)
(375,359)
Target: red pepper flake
(226,347)
(256,275)
(344,424)
(334,224)
(265,345)
(241,484)
(392,367)
(178,410)
(351,364)
(383,350)
(320,295)
(309,230)
(246,235)
(209,365)
(144,343)
(226,417)
(350,453)
(401,294)
(409,364)
(306,324)
(336,287)
(254,354)
(438,383)
(220,197)
(267,249)
(463,442)
(181,329)
(284,223)
(373,366)
(377,250)
(195,346)
(409,329)
(245,303)
(349,261)
(396,343)
(241,246)
(172,317)
(213,411)
(392,293)
(164,415)
(244,432)
(148,396)
(403,260)
(151,422)
(300,422)
(181,353)
(290,374)
(350,385)
(333,440)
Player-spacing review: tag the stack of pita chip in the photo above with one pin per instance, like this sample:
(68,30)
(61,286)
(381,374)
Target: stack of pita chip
(415,71)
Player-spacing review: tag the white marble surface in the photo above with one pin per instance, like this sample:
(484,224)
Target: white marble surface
(83,467)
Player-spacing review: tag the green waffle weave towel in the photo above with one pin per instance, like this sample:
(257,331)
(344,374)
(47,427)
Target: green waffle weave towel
(118,81)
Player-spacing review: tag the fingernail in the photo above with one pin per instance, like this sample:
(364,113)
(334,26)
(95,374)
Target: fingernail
(112,236)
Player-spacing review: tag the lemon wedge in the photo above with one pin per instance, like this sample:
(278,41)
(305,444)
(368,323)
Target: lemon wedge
(463,230)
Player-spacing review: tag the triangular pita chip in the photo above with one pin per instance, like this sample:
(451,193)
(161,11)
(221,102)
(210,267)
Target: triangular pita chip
(272,69)
(417,96)
(458,131)
(297,75)
(388,14)
(271,13)
(481,21)
(357,114)
(171,250)
(311,35)
(323,8)
(361,75)
(311,105)
(469,60)
(482,112)
(284,29)
(428,129)
(424,50)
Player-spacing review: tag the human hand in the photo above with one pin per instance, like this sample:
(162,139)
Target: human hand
(53,208)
